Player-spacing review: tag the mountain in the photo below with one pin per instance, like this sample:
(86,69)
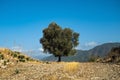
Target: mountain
(84,55)
(102,50)
(36,54)
(79,56)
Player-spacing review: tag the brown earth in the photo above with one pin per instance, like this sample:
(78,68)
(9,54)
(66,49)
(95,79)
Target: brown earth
(60,71)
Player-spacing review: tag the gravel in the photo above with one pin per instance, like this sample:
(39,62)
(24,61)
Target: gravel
(55,71)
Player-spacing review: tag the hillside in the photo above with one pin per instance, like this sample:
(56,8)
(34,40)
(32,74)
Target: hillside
(83,56)
(104,49)
(8,57)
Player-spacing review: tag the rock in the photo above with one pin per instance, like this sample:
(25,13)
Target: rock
(3,67)
(95,78)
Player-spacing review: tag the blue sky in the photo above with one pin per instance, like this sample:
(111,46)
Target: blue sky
(22,21)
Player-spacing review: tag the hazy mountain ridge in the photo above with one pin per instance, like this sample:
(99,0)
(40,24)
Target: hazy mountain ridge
(84,55)
(36,54)
(102,50)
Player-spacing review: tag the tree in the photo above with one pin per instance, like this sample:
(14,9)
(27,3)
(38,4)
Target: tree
(114,54)
(59,42)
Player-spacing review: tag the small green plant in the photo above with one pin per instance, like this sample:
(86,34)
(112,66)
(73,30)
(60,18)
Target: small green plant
(1,56)
(93,58)
(21,57)
(17,52)
(27,58)
(5,62)
(17,71)
(21,60)
(8,60)
(47,62)
(14,55)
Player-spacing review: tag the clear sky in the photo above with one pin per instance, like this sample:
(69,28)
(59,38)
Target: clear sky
(22,21)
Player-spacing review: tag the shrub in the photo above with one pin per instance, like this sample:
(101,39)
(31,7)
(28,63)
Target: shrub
(21,60)
(8,60)
(47,62)
(93,58)
(14,55)
(17,52)
(21,57)
(16,71)
(4,62)
(113,55)
(1,56)
(28,59)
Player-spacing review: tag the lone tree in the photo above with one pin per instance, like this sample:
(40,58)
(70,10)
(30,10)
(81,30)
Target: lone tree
(59,42)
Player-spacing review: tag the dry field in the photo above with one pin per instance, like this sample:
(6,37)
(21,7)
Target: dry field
(60,71)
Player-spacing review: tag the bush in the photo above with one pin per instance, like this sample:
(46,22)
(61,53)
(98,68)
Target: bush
(21,57)
(17,52)
(8,60)
(114,55)
(47,62)
(27,58)
(1,56)
(4,62)
(14,55)
(93,58)
(21,60)
(16,71)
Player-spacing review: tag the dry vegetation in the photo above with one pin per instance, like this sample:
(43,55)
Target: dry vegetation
(71,67)
(61,71)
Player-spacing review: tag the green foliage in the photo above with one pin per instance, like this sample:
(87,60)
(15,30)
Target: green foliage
(17,52)
(21,57)
(1,56)
(15,55)
(58,41)
(114,54)
(22,60)
(47,62)
(17,71)
(28,59)
(93,58)
(5,62)
(8,60)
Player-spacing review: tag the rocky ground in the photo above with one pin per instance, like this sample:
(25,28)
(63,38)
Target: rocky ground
(60,71)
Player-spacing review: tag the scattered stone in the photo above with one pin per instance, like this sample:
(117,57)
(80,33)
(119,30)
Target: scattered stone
(3,67)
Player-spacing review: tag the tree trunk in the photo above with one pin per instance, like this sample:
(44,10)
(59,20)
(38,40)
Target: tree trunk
(59,58)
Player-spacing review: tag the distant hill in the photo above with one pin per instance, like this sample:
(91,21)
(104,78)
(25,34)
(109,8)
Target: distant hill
(36,54)
(102,50)
(84,55)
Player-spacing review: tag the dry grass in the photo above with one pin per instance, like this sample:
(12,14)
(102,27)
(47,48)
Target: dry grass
(60,71)
(71,67)
(53,77)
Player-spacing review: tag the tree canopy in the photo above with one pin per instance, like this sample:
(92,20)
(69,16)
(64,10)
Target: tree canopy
(59,42)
